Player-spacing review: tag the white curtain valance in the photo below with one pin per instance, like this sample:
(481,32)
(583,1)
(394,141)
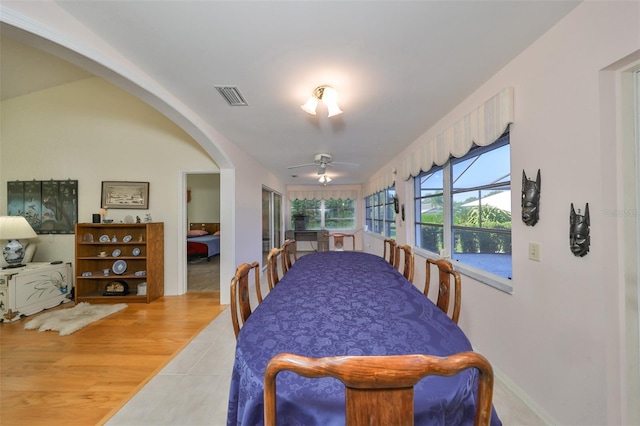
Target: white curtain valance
(380,182)
(323,194)
(483,126)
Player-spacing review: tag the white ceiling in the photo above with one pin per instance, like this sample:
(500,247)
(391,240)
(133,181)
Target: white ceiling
(398,67)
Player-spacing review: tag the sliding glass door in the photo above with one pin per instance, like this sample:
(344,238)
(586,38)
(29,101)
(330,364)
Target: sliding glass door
(271,222)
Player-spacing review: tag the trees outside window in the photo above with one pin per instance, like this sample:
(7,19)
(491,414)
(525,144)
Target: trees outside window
(325,214)
(463,209)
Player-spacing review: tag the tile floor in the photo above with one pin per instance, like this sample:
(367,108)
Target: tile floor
(192,390)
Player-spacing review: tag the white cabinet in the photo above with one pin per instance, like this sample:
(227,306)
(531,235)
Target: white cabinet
(34,287)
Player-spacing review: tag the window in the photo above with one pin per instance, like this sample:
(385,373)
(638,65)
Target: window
(325,214)
(464,208)
(380,212)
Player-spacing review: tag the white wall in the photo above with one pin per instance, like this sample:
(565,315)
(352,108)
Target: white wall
(557,336)
(205,198)
(92,131)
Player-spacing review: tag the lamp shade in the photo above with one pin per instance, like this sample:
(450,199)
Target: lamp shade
(310,105)
(15,228)
(330,99)
(333,109)
(324,179)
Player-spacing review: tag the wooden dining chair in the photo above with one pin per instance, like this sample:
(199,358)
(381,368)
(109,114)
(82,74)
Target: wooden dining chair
(403,261)
(379,389)
(390,247)
(445,272)
(289,255)
(338,240)
(274,259)
(240,293)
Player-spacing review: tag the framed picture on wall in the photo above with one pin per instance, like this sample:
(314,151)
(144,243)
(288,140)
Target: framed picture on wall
(50,206)
(125,195)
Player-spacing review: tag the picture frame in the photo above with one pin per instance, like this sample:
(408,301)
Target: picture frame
(125,195)
(50,206)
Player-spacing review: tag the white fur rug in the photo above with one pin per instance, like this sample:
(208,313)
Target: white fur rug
(70,320)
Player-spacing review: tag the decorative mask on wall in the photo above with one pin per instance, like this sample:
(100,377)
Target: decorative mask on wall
(579,239)
(530,199)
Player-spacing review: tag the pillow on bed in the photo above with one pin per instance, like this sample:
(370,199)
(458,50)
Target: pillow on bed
(216,233)
(196,233)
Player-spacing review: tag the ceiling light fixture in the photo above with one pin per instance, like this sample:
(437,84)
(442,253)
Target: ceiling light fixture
(324,179)
(328,96)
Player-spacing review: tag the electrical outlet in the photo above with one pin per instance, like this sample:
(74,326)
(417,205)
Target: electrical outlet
(534,251)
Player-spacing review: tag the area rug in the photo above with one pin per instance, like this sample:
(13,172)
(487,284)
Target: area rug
(70,320)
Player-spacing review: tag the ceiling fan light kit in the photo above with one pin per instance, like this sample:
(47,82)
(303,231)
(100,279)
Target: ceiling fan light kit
(324,180)
(321,161)
(328,96)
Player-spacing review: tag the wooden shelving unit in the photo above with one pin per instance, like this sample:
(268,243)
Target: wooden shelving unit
(145,267)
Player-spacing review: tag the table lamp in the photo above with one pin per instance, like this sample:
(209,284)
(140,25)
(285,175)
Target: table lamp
(13,229)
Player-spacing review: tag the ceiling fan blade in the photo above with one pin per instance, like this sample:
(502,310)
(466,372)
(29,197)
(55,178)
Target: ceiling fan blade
(301,165)
(345,164)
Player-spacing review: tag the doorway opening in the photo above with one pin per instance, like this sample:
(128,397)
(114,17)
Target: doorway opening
(203,215)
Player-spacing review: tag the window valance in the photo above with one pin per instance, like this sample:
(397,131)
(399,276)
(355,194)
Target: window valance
(323,194)
(483,126)
(381,182)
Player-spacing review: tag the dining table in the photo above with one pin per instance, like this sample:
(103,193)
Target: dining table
(339,303)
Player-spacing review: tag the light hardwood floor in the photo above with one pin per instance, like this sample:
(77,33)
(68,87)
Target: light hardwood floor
(86,377)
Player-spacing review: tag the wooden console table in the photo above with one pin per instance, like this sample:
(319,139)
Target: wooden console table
(307,235)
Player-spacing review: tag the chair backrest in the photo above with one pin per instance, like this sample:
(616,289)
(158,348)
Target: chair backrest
(240,293)
(273,259)
(389,247)
(379,389)
(338,240)
(289,255)
(403,261)
(445,272)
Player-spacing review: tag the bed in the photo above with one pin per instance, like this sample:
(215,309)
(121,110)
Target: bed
(203,241)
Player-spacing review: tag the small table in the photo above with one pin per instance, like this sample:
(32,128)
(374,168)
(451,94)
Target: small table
(346,303)
(307,235)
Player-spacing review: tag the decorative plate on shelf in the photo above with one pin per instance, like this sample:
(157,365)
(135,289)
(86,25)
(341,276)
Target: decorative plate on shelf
(128,219)
(126,238)
(116,253)
(87,237)
(104,238)
(119,266)
(136,251)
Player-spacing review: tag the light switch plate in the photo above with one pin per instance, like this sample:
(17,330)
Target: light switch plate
(534,251)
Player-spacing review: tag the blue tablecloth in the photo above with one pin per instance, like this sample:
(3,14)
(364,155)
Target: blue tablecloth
(345,303)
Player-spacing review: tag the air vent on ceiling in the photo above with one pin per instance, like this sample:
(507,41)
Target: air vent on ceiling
(232,95)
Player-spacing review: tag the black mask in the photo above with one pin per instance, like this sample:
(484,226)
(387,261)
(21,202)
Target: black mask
(530,199)
(579,239)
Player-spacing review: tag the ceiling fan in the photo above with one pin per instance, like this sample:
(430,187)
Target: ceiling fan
(321,161)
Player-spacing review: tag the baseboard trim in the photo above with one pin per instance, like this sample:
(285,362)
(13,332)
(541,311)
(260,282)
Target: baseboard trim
(524,397)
